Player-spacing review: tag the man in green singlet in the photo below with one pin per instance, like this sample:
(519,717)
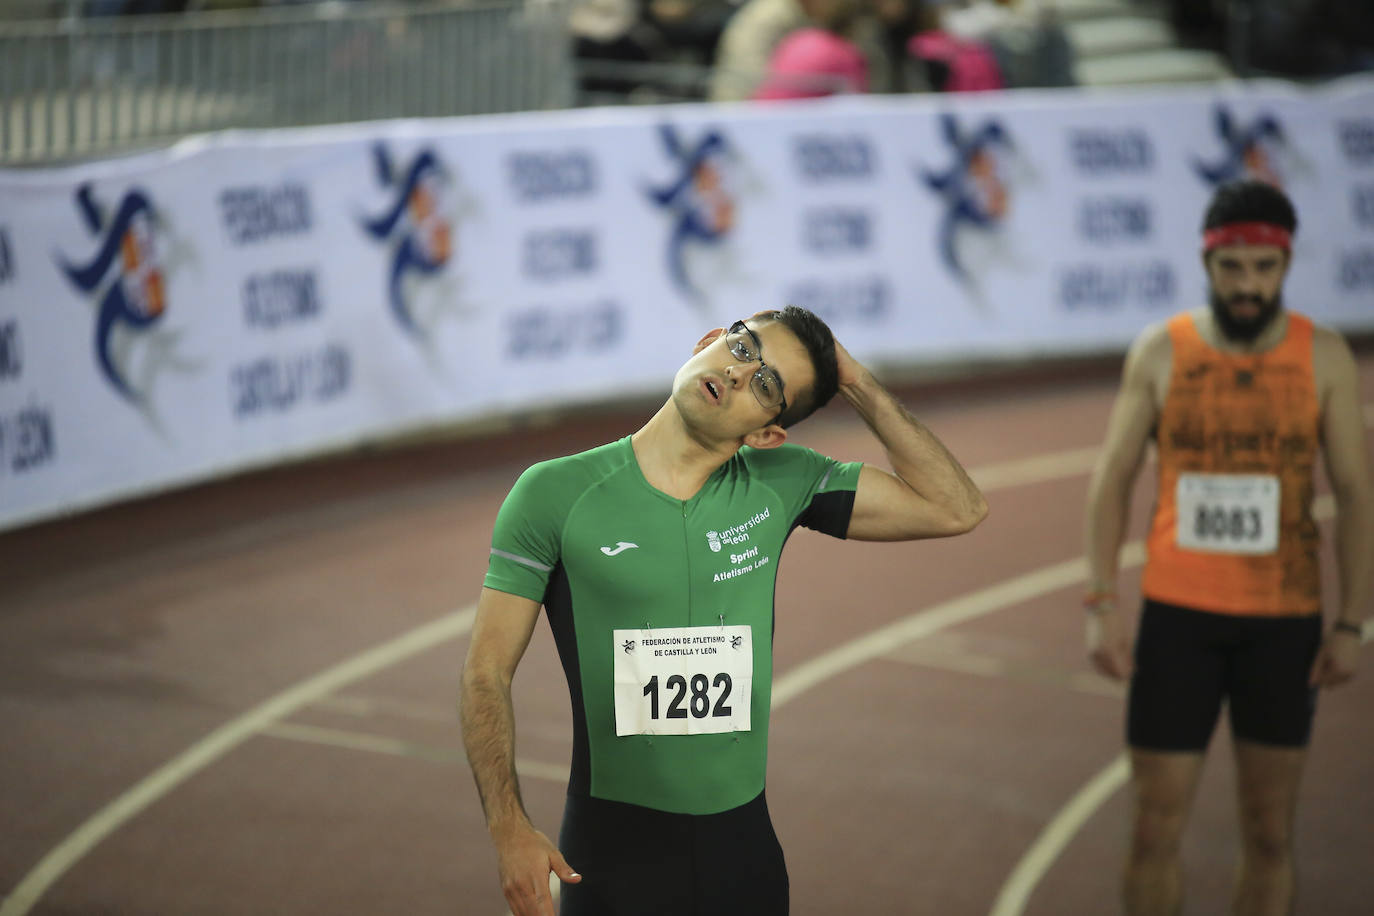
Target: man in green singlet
(655,558)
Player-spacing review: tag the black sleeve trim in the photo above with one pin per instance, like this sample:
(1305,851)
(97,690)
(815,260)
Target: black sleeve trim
(559,608)
(829,513)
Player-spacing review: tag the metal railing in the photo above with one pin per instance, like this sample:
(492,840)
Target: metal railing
(79,87)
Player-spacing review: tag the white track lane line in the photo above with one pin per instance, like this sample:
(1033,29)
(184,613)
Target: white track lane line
(381,744)
(1036,469)
(1015,893)
(233,733)
(1057,835)
(1043,852)
(873,644)
(220,742)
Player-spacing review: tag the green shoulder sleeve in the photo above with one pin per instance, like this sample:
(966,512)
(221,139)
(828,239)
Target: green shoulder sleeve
(817,489)
(525,542)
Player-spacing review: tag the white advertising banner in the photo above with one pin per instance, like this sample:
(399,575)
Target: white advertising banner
(246,297)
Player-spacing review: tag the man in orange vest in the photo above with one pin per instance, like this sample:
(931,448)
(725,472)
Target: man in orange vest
(1238,397)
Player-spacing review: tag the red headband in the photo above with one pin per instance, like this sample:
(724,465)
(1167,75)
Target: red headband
(1247,234)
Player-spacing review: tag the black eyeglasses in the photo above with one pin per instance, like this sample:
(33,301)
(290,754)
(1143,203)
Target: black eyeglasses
(766,384)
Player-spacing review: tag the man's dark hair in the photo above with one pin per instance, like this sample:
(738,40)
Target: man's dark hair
(1250,201)
(820,346)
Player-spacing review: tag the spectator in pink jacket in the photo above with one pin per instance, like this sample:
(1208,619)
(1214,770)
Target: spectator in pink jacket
(814,62)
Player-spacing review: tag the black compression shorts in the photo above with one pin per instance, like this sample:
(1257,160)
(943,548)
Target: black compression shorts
(636,861)
(1187,662)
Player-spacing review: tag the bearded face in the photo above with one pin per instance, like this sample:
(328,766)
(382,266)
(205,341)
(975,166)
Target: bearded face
(1243,317)
(1245,289)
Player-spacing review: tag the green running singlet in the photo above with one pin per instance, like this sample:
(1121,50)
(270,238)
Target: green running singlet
(602,550)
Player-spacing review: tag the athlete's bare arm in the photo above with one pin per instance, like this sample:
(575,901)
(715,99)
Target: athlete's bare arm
(1134,414)
(1347,465)
(927,493)
(500,635)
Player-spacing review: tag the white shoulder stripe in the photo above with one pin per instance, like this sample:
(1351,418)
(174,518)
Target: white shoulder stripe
(535,564)
(825,481)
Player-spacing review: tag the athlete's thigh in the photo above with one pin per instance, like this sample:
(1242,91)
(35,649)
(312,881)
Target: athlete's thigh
(740,870)
(1270,699)
(632,860)
(1267,779)
(1163,784)
(1179,680)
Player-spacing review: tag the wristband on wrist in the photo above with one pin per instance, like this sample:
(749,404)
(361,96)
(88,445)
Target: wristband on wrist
(1345,626)
(1099,602)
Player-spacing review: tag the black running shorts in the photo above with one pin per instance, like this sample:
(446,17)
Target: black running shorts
(636,861)
(1187,662)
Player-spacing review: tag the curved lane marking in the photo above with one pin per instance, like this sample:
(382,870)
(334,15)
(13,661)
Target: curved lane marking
(233,733)
(1036,469)
(220,742)
(878,642)
(452,626)
(392,747)
(1057,834)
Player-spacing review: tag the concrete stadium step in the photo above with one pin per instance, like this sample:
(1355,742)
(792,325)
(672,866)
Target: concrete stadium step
(1174,65)
(1109,36)
(1126,42)
(1074,10)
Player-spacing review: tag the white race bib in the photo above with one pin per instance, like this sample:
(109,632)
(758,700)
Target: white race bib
(1228,513)
(683,680)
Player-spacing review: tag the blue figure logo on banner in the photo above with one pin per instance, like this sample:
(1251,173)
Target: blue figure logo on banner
(700,201)
(976,191)
(1259,149)
(419,228)
(126,279)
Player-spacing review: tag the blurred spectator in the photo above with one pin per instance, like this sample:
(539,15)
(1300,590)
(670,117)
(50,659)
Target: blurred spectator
(610,37)
(220,5)
(1025,37)
(896,21)
(1198,23)
(612,30)
(975,20)
(748,42)
(756,29)
(1305,38)
(135,7)
(690,28)
(1301,38)
(1352,22)
(952,63)
(813,62)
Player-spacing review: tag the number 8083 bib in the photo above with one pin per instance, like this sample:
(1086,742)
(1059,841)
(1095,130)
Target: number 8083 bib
(1228,513)
(683,680)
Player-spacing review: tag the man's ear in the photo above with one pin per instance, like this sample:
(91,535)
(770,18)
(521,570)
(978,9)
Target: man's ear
(706,341)
(770,436)
(1207,267)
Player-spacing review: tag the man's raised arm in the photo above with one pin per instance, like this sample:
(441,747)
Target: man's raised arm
(927,493)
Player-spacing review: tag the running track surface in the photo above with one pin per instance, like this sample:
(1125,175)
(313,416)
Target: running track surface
(180,737)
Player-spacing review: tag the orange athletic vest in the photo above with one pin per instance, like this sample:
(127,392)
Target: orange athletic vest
(1236,414)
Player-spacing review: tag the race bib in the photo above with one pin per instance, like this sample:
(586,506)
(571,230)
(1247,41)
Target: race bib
(683,680)
(1228,513)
